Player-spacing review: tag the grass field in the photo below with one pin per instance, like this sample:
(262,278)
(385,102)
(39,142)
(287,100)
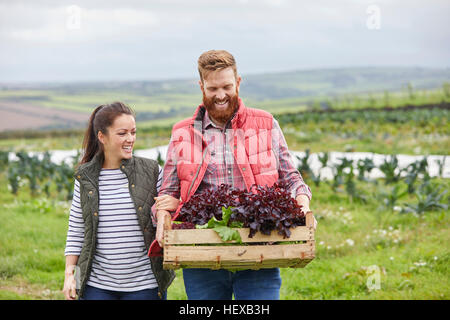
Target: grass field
(357,243)
(277,93)
(426,133)
(418,131)
(409,253)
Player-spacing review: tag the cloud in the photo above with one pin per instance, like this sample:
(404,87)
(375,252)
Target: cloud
(72,23)
(163,38)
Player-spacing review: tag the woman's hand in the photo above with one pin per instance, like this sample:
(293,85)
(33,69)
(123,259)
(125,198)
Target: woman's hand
(69,289)
(163,217)
(166,202)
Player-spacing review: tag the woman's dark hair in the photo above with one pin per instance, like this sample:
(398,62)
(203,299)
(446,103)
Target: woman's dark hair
(102,118)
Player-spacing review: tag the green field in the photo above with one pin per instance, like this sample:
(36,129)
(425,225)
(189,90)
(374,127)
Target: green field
(160,104)
(400,130)
(418,131)
(85,101)
(169,100)
(409,252)
(362,234)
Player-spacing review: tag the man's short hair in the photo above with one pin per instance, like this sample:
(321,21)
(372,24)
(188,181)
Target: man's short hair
(213,60)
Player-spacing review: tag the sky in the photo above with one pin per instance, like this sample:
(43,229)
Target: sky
(53,41)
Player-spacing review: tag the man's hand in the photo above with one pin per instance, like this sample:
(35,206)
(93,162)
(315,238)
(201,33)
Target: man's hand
(166,202)
(303,201)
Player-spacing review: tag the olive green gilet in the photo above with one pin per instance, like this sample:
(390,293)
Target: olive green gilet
(142,176)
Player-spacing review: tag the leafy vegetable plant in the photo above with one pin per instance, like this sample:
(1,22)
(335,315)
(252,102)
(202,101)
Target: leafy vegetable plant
(226,233)
(262,209)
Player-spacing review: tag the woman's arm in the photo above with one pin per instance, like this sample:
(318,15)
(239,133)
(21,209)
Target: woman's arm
(70,283)
(74,243)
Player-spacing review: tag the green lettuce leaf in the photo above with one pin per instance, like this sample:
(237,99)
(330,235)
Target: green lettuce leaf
(225,232)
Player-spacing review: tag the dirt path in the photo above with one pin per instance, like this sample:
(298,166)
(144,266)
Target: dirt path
(22,116)
(30,291)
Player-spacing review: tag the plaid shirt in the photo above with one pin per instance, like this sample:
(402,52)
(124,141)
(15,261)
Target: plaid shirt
(223,168)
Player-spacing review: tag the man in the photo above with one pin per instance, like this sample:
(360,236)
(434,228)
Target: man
(226,142)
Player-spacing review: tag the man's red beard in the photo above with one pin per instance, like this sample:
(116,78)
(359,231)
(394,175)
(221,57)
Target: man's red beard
(221,116)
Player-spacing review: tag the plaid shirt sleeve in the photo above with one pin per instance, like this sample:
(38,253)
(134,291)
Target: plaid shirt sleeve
(170,184)
(286,169)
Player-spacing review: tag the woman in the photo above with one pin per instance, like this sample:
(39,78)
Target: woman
(110,226)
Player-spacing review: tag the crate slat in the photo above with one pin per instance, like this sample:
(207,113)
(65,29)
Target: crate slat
(193,236)
(239,265)
(197,248)
(237,256)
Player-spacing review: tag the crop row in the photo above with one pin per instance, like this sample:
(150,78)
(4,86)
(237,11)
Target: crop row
(40,174)
(421,116)
(352,177)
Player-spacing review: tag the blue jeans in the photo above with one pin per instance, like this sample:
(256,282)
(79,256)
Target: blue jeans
(92,293)
(206,284)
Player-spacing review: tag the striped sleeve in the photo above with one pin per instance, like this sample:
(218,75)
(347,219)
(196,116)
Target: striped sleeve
(158,187)
(75,232)
(170,181)
(160,177)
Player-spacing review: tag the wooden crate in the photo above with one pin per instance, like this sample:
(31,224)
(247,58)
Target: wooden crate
(189,249)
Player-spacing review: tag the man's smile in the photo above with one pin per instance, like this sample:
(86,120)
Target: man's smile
(222,104)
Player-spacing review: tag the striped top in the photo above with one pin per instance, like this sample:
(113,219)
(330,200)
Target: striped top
(120,262)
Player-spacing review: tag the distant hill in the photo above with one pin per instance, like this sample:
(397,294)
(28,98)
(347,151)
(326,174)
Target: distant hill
(323,82)
(166,99)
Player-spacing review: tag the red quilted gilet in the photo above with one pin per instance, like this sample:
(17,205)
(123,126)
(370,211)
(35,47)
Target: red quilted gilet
(252,145)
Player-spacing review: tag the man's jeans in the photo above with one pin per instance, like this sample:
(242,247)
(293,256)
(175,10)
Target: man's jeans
(206,284)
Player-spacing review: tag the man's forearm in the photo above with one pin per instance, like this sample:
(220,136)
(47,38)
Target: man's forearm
(303,200)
